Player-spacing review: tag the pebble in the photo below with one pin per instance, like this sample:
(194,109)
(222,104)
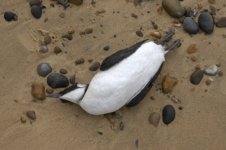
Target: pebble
(192,49)
(106,48)
(23,119)
(196,77)
(72,79)
(139,33)
(206,22)
(10,16)
(86,31)
(190,26)
(94,66)
(47,39)
(67,36)
(31,115)
(79,61)
(168,114)
(221,22)
(62,15)
(43,49)
(154,25)
(168,83)
(156,34)
(154,119)
(36,11)
(76,2)
(134,16)
(35,2)
(63,3)
(57,50)
(211,70)
(63,71)
(44,69)
(38,91)
(173,8)
(57,80)
(208,81)
(49,90)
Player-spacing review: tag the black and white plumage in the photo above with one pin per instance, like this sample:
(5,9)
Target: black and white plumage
(124,79)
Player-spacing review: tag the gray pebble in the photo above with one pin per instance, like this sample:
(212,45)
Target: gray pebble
(206,22)
(154,119)
(44,69)
(196,77)
(57,80)
(168,114)
(173,8)
(94,66)
(31,114)
(43,49)
(190,26)
(211,70)
(139,33)
(36,11)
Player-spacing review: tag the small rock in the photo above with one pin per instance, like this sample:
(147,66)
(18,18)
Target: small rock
(121,126)
(134,16)
(23,120)
(38,91)
(211,1)
(49,90)
(211,70)
(156,34)
(194,58)
(57,50)
(173,8)
(31,115)
(139,33)
(192,49)
(154,25)
(35,2)
(94,66)
(154,119)
(98,12)
(47,39)
(57,80)
(72,79)
(221,22)
(44,69)
(190,26)
(196,77)
(43,49)
(67,36)
(100,132)
(206,22)
(208,81)
(10,16)
(168,114)
(168,83)
(71,32)
(62,15)
(86,31)
(63,3)
(63,71)
(79,61)
(76,2)
(106,48)
(36,11)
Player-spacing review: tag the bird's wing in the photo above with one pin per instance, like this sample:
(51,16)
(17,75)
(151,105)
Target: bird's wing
(119,56)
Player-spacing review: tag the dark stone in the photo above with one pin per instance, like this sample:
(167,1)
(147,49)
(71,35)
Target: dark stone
(221,22)
(190,26)
(196,77)
(57,80)
(206,22)
(79,61)
(94,66)
(10,16)
(31,115)
(36,11)
(168,114)
(106,48)
(57,50)
(44,69)
(139,33)
(63,71)
(67,36)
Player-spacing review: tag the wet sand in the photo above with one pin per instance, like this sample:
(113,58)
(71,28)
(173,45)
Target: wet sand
(201,124)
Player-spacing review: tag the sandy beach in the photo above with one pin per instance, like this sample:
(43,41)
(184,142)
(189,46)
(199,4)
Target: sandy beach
(200,112)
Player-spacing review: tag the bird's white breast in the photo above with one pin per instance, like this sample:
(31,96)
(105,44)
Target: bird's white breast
(111,89)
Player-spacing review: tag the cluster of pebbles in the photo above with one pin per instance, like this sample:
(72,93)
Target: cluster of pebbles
(187,16)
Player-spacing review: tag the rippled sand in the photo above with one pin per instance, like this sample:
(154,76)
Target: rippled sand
(200,125)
